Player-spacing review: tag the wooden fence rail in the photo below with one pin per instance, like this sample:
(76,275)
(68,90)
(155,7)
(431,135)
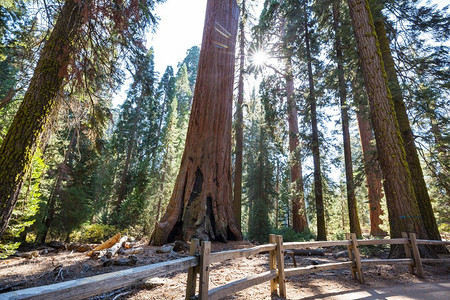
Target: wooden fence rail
(201,259)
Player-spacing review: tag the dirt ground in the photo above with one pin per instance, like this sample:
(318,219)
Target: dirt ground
(19,273)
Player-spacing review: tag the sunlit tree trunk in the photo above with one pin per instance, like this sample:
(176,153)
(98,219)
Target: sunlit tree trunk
(412,157)
(318,190)
(237,201)
(201,203)
(38,104)
(404,215)
(351,198)
(299,221)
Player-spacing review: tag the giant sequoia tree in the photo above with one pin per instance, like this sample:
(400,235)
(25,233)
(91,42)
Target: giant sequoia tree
(201,201)
(402,205)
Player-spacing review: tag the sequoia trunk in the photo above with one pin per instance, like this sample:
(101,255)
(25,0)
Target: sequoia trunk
(372,172)
(37,106)
(201,201)
(351,198)
(418,181)
(404,215)
(320,209)
(299,221)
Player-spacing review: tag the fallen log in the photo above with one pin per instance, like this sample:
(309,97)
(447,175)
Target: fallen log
(113,250)
(306,252)
(132,251)
(108,244)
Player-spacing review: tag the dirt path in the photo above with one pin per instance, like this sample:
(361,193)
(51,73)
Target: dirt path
(382,281)
(425,291)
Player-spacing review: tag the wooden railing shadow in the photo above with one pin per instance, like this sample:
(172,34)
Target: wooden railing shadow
(199,268)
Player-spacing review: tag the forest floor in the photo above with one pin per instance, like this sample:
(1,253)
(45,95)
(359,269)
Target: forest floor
(19,273)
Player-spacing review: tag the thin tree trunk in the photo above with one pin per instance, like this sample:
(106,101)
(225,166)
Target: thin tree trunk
(277,200)
(50,209)
(161,190)
(17,149)
(372,171)
(201,203)
(412,157)
(351,198)
(318,191)
(237,202)
(122,190)
(404,215)
(9,96)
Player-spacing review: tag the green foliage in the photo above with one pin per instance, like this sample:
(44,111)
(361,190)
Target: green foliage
(93,233)
(289,235)
(27,206)
(259,177)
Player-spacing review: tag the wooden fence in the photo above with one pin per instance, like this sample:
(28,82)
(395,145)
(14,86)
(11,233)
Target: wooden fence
(201,259)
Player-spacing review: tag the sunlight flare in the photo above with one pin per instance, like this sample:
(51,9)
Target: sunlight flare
(259,58)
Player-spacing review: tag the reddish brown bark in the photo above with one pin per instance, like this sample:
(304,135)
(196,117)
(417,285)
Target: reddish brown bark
(412,157)
(351,198)
(404,215)
(237,201)
(299,220)
(201,201)
(318,190)
(372,172)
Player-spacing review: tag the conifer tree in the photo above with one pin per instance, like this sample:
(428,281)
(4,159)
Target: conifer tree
(259,179)
(40,101)
(201,200)
(351,197)
(273,25)
(412,157)
(404,215)
(237,187)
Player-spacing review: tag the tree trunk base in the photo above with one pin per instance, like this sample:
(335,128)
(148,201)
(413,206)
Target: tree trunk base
(398,251)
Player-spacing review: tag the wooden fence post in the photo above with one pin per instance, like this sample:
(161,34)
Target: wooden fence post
(191,283)
(280,264)
(408,252)
(416,254)
(357,258)
(350,256)
(204,270)
(272,265)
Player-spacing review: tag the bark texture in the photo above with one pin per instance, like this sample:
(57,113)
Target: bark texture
(39,101)
(351,198)
(320,209)
(404,215)
(299,221)
(201,204)
(412,157)
(237,200)
(372,172)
